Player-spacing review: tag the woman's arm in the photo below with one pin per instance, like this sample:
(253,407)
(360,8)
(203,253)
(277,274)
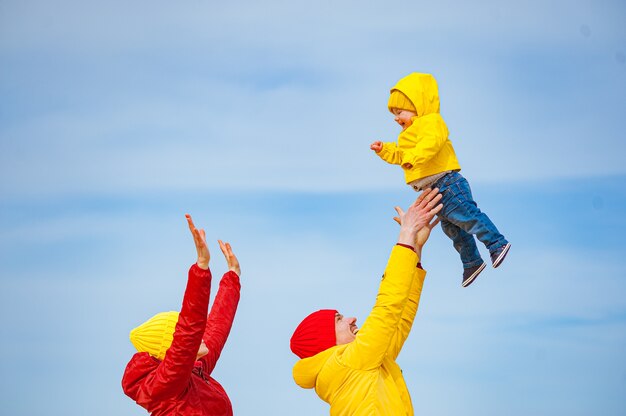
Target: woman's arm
(172,374)
(222,314)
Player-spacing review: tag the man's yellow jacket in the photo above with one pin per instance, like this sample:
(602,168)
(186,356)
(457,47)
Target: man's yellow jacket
(362,377)
(423,149)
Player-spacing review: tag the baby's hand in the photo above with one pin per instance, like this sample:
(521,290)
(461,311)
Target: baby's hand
(377,146)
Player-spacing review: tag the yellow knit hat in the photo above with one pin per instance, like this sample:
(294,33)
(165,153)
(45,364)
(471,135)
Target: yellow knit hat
(155,335)
(400,101)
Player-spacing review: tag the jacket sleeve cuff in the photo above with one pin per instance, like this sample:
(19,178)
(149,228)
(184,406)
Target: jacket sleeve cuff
(385,153)
(197,271)
(419,264)
(232,277)
(406,246)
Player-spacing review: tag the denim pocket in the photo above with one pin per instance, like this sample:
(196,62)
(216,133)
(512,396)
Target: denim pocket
(454,194)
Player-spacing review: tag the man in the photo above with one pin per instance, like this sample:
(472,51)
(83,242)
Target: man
(355,370)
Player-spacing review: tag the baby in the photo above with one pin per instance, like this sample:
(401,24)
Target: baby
(428,160)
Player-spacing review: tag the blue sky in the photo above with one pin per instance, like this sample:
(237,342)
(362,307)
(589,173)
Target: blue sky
(116,119)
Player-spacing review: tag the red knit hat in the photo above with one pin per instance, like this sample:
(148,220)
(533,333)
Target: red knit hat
(315,334)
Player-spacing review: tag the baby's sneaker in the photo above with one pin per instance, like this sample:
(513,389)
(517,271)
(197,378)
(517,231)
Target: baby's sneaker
(499,254)
(470,274)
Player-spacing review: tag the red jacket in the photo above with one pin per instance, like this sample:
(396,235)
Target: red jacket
(180,385)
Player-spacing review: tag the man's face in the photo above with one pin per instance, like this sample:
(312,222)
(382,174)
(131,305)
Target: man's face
(403,117)
(345,329)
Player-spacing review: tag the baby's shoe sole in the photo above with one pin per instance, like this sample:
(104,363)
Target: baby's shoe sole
(469,279)
(502,255)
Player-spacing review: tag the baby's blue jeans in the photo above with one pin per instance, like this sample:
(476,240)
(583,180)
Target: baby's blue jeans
(461,219)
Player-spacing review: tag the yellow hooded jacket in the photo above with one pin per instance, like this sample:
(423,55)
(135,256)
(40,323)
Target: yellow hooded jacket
(362,377)
(424,145)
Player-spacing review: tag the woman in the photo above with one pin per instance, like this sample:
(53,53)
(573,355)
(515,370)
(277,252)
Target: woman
(171,372)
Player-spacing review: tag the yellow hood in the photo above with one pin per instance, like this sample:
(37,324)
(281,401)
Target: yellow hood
(306,370)
(422,90)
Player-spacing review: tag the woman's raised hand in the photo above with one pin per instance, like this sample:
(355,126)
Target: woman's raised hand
(231,259)
(199,239)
